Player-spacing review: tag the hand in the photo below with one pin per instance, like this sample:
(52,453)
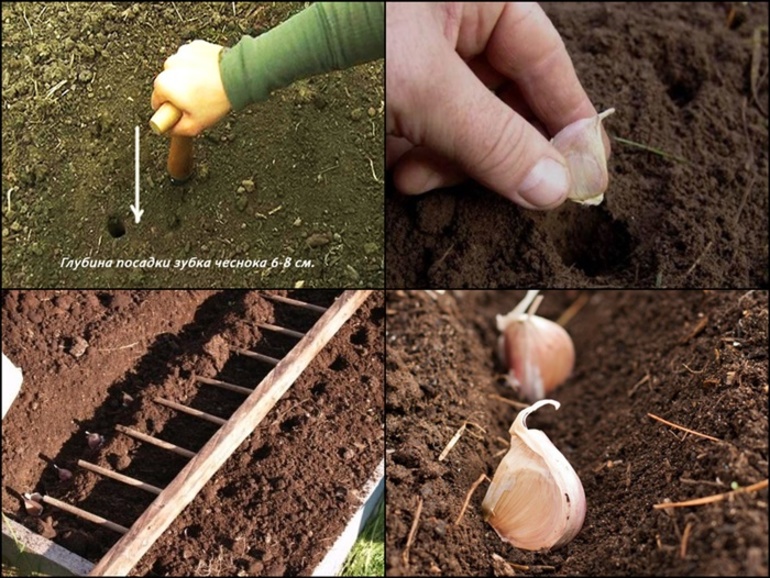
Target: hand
(191,81)
(475,89)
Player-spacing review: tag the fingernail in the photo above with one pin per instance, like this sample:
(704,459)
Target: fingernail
(429,180)
(546,184)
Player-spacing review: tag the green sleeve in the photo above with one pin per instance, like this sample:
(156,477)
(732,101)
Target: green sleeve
(325,36)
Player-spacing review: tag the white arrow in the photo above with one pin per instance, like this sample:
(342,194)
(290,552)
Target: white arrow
(135,208)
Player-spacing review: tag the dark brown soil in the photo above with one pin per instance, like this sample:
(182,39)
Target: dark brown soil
(679,78)
(281,499)
(705,353)
(77,79)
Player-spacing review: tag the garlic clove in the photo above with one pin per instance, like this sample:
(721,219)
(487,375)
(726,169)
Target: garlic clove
(582,145)
(536,500)
(539,353)
(95,440)
(64,475)
(32,503)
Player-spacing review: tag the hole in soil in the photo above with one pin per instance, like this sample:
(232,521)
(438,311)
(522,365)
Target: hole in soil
(359,337)
(115,226)
(193,531)
(263,452)
(377,314)
(339,364)
(289,424)
(682,92)
(589,238)
(227,491)
(319,388)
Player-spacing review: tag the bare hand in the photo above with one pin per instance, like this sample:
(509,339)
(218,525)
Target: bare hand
(191,81)
(476,89)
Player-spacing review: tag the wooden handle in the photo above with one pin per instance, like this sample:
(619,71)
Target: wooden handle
(165,118)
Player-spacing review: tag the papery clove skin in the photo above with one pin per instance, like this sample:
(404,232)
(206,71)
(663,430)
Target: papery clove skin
(582,146)
(539,353)
(536,500)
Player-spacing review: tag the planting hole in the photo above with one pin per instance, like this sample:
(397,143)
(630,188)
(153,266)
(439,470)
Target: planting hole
(339,364)
(115,227)
(589,239)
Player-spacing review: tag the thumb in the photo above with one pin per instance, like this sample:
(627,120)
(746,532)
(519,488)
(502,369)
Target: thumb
(467,123)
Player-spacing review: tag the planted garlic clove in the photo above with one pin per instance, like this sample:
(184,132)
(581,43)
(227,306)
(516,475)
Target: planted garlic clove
(32,503)
(582,145)
(64,475)
(95,441)
(539,353)
(536,500)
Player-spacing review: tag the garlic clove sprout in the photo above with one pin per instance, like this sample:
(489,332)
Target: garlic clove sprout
(32,503)
(539,353)
(536,500)
(582,145)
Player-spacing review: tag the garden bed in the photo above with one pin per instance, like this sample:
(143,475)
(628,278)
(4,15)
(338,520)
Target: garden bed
(695,358)
(280,501)
(679,76)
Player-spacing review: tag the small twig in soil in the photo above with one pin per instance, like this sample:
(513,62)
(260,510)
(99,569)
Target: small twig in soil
(685,538)
(475,485)
(522,567)
(698,482)
(119,348)
(688,368)
(412,532)
(507,445)
(750,150)
(642,381)
(609,464)
(516,404)
(456,438)
(712,499)
(320,176)
(744,197)
(756,59)
(24,14)
(371,164)
(573,309)
(698,260)
(650,149)
(177,12)
(452,442)
(679,427)
(445,255)
(697,330)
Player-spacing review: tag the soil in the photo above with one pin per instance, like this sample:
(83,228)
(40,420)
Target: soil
(679,78)
(695,358)
(77,79)
(281,499)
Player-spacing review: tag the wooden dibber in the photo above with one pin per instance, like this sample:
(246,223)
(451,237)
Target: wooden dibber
(180,154)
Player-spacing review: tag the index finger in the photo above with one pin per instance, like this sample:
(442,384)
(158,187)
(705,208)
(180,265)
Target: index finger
(526,48)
